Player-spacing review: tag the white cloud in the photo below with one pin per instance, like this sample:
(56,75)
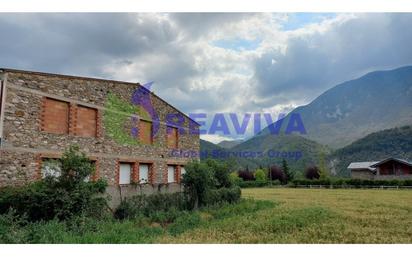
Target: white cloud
(179,52)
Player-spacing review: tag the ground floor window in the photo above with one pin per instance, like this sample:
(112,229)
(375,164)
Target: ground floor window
(144,170)
(50,167)
(125,173)
(171,171)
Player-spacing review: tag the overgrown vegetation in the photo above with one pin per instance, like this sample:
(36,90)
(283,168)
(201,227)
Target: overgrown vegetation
(62,197)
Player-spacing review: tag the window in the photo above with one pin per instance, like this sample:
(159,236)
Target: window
(171,171)
(125,173)
(86,124)
(145,132)
(172,137)
(55,116)
(50,168)
(144,170)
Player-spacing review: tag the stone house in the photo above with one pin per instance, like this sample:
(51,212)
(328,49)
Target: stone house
(390,168)
(123,128)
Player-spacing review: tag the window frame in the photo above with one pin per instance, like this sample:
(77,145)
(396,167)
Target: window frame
(132,164)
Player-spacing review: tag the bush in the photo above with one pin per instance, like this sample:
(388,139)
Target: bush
(260,175)
(312,172)
(223,195)
(250,184)
(234,178)
(197,180)
(221,173)
(63,197)
(150,205)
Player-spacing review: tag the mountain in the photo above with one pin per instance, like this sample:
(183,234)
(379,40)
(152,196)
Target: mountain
(207,148)
(349,111)
(266,150)
(229,143)
(396,142)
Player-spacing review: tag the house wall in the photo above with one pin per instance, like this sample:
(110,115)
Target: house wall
(362,174)
(28,136)
(394,168)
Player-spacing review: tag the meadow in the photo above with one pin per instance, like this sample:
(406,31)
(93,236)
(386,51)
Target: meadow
(264,215)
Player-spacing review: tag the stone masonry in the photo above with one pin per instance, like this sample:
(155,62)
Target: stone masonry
(42,114)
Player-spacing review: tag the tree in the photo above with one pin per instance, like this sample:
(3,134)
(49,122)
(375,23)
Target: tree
(275,173)
(312,172)
(260,175)
(197,181)
(221,173)
(323,171)
(289,174)
(246,175)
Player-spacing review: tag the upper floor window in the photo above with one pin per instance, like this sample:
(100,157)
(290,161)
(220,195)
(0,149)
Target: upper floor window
(86,124)
(172,137)
(145,132)
(55,116)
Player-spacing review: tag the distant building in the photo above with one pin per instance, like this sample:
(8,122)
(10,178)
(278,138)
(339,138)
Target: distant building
(390,168)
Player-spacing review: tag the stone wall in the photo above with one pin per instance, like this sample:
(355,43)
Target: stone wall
(27,138)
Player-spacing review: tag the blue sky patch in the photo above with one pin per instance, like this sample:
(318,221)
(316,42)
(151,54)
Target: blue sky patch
(299,20)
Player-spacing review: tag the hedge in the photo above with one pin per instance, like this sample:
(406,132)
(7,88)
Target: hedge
(250,184)
(350,182)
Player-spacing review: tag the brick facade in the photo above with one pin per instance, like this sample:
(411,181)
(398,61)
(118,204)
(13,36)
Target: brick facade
(45,113)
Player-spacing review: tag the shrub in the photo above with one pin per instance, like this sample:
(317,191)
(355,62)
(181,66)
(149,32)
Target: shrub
(150,205)
(234,178)
(221,173)
(197,180)
(250,184)
(63,197)
(312,172)
(260,175)
(223,195)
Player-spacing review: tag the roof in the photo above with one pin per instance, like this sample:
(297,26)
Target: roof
(392,159)
(362,165)
(91,78)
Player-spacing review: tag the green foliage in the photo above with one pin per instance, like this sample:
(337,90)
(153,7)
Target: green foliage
(152,206)
(197,180)
(260,175)
(251,183)
(234,178)
(290,175)
(221,173)
(223,195)
(63,197)
(202,179)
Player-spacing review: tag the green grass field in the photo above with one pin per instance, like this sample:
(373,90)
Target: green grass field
(314,216)
(266,215)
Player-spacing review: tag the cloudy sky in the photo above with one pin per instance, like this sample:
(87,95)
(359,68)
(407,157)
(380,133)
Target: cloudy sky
(226,62)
